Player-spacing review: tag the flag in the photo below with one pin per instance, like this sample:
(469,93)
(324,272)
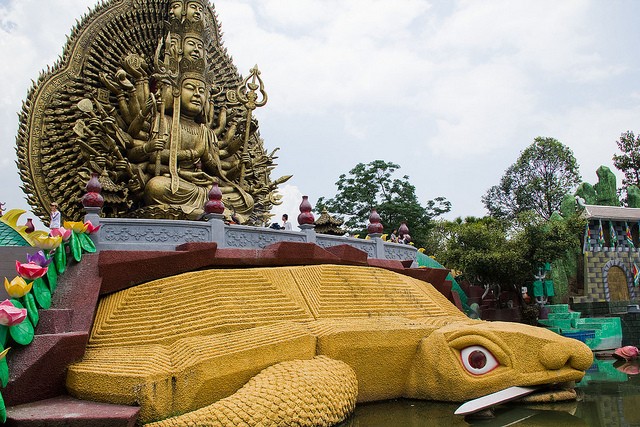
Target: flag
(636,275)
(600,234)
(587,240)
(628,237)
(613,235)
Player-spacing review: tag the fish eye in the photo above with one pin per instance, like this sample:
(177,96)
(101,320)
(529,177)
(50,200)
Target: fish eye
(477,360)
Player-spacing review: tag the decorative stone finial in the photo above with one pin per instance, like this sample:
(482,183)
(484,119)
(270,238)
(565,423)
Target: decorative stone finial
(305,217)
(93,198)
(403,229)
(375,227)
(30,227)
(215,204)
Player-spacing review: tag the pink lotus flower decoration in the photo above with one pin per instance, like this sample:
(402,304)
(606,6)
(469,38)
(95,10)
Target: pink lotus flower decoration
(77,226)
(91,228)
(30,270)
(48,243)
(39,258)
(18,287)
(61,232)
(11,315)
(628,352)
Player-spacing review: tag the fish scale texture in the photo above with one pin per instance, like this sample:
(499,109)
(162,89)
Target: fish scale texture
(316,392)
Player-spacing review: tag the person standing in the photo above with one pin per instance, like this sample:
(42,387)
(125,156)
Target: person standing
(55,216)
(286,225)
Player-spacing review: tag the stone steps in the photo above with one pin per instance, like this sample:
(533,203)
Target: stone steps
(54,321)
(599,333)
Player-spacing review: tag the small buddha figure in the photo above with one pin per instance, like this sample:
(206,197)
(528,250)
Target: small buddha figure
(193,47)
(194,11)
(175,9)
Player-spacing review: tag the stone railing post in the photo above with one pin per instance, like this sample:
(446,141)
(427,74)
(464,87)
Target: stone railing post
(306,221)
(214,213)
(375,229)
(92,202)
(379,247)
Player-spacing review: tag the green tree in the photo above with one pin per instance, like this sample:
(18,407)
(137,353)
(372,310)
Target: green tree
(549,240)
(490,252)
(373,185)
(556,241)
(480,249)
(629,161)
(537,181)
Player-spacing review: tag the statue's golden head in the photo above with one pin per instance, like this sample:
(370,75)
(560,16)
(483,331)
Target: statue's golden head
(193,95)
(191,10)
(193,47)
(176,8)
(194,10)
(461,362)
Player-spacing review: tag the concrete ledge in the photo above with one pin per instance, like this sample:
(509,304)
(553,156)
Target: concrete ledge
(65,411)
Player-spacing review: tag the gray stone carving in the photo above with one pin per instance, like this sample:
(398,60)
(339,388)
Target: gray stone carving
(255,237)
(326,241)
(145,234)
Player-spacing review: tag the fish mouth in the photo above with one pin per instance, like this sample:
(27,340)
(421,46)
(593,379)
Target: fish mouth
(550,393)
(542,393)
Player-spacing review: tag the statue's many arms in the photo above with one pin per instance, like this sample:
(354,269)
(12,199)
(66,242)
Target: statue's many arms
(190,349)
(146,97)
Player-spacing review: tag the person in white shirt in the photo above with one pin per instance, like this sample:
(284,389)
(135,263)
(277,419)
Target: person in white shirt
(286,225)
(55,216)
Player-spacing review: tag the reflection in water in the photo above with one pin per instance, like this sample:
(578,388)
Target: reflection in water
(523,416)
(609,395)
(405,412)
(629,368)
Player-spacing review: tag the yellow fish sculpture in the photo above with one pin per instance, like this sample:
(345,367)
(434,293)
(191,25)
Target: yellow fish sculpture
(285,345)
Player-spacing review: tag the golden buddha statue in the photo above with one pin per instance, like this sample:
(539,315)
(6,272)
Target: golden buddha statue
(166,116)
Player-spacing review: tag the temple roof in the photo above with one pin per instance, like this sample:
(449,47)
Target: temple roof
(615,213)
(325,219)
(10,237)
(326,224)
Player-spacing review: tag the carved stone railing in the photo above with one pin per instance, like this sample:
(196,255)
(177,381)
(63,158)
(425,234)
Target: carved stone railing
(145,234)
(368,246)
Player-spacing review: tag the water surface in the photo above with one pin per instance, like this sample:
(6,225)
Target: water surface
(609,395)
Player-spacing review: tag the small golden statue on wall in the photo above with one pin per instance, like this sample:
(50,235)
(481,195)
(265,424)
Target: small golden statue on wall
(146,97)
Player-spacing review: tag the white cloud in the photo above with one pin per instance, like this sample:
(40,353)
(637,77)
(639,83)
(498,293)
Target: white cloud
(479,109)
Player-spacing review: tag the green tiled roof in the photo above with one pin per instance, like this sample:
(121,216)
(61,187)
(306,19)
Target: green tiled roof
(10,237)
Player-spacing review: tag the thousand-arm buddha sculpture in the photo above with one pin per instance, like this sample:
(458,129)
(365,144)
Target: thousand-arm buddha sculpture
(164,120)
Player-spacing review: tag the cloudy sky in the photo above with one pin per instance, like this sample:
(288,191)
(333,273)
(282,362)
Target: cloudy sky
(450,90)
